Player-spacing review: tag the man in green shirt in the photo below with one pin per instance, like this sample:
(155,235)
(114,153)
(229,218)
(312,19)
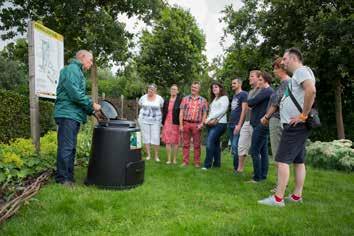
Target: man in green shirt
(71,109)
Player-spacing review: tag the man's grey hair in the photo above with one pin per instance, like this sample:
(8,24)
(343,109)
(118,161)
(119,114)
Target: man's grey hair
(83,52)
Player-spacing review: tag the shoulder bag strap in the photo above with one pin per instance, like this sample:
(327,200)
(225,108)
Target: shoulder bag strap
(294,99)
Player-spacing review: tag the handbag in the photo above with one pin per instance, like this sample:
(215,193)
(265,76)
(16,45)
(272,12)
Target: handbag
(313,119)
(214,121)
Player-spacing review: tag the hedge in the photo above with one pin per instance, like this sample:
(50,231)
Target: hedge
(15,116)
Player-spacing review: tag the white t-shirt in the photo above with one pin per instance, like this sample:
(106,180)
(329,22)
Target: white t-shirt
(287,107)
(218,109)
(150,112)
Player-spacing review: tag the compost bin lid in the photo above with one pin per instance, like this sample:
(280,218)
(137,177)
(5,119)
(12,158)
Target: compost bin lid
(109,110)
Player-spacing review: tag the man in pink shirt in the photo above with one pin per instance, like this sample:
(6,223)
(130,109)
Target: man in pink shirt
(193,113)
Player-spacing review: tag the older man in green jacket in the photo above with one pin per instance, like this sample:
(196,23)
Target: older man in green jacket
(71,109)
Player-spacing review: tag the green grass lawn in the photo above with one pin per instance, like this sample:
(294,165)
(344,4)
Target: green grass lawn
(186,201)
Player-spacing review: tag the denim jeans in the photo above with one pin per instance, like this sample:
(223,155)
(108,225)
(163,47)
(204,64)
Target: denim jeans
(213,150)
(67,138)
(234,146)
(259,152)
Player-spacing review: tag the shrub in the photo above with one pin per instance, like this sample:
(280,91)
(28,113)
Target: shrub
(15,116)
(337,154)
(19,161)
(84,141)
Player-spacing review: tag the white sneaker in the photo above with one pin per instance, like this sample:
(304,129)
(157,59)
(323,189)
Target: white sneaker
(270,201)
(147,158)
(204,168)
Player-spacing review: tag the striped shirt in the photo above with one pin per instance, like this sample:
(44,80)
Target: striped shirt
(193,108)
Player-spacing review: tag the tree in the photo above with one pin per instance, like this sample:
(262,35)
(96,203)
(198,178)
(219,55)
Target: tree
(173,51)
(12,75)
(126,82)
(18,52)
(323,30)
(330,34)
(85,24)
(105,74)
(237,62)
(130,73)
(14,67)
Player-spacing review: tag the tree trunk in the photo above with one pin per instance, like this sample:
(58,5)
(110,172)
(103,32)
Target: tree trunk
(338,107)
(94,87)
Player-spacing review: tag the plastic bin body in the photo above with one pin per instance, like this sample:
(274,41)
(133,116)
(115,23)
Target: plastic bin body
(114,163)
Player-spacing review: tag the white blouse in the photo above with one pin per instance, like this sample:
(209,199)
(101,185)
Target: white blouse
(218,109)
(150,112)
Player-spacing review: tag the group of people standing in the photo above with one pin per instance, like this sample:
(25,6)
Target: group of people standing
(253,116)
(182,120)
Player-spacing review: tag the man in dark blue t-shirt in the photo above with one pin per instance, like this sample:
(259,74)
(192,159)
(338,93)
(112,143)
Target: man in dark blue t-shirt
(237,117)
(259,143)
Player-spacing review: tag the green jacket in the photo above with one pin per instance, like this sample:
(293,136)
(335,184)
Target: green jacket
(72,101)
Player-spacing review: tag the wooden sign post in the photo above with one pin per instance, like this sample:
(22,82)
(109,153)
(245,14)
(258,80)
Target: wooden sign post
(34,100)
(45,60)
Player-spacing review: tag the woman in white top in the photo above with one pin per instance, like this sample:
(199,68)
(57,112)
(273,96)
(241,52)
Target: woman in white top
(150,117)
(216,123)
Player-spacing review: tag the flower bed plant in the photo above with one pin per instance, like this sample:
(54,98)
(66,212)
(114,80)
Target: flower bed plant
(19,163)
(338,154)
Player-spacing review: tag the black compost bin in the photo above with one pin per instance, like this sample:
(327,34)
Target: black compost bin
(115,160)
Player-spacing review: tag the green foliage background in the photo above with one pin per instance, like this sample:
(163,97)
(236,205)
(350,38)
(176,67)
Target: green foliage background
(323,30)
(173,52)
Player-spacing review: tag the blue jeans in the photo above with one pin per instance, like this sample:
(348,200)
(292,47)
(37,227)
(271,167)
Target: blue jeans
(213,150)
(259,152)
(234,146)
(67,138)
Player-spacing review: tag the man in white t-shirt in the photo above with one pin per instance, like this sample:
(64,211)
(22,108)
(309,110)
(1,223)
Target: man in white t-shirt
(292,143)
